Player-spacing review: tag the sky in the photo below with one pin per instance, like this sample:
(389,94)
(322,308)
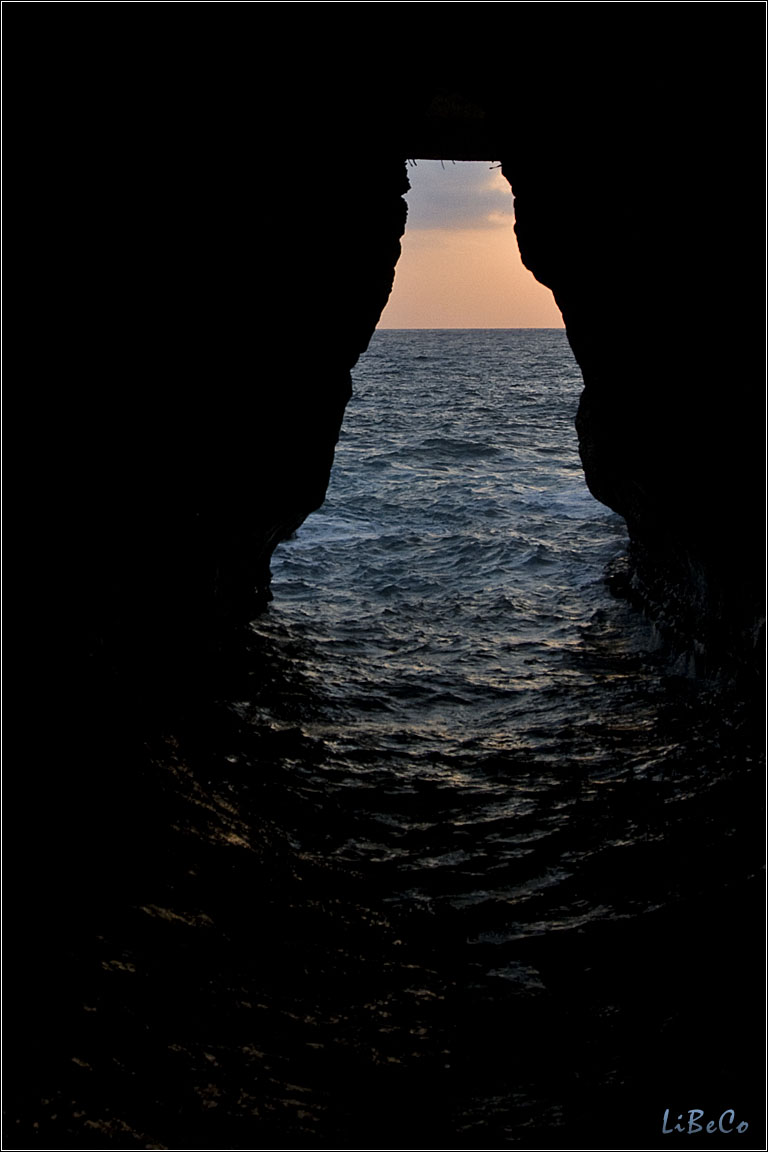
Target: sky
(460,266)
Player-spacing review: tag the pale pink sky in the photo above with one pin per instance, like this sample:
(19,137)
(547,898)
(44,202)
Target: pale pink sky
(460,266)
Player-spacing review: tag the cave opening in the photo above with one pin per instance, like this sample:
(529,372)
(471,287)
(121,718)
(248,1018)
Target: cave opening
(441,793)
(446,570)
(460,265)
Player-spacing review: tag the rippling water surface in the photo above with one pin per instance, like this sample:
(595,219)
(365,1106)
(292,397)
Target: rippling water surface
(465,672)
(495,745)
(459,856)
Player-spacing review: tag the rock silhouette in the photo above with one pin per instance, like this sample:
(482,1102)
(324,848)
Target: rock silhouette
(212,220)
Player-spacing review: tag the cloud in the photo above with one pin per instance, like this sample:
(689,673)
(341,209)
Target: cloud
(461,195)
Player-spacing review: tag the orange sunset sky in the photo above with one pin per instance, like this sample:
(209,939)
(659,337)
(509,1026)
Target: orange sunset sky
(460,266)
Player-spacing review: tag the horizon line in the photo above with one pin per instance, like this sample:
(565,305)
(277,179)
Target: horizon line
(479,328)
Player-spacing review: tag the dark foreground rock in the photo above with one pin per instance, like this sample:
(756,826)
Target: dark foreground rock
(220,245)
(208,226)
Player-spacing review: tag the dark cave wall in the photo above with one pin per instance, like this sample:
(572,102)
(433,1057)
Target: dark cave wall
(204,366)
(201,246)
(344,258)
(221,241)
(653,270)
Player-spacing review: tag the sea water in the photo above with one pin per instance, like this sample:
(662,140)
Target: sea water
(450,612)
(502,792)
(459,855)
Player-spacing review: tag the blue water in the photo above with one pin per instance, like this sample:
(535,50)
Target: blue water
(459,553)
(448,613)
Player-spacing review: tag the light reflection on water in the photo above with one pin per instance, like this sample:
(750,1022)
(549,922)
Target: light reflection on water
(452,850)
(475,796)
